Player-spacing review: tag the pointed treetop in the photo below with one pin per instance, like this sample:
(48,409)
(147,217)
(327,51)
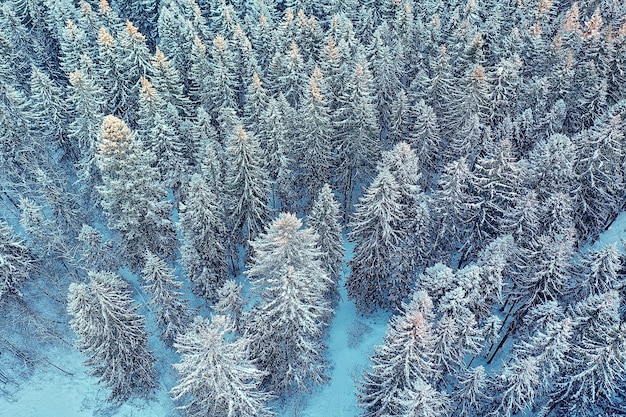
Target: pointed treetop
(544,7)
(86,9)
(199,44)
(71,28)
(263,20)
(314,82)
(115,135)
(219,44)
(240,135)
(147,90)
(133,32)
(105,39)
(287,225)
(159,61)
(331,49)
(572,20)
(294,52)
(478,74)
(76,78)
(594,25)
(104,7)
(256,80)
(289,17)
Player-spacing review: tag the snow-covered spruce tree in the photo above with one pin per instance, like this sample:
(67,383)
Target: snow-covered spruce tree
(454,207)
(543,270)
(404,166)
(287,325)
(599,271)
(314,155)
(595,364)
(356,142)
(600,170)
(48,107)
(217,377)
(471,392)
(84,129)
(457,332)
(403,364)
(110,74)
(94,252)
(158,128)
(230,302)
(379,272)
(247,186)
(221,88)
(172,310)
(17,261)
(133,198)
(420,399)
(203,230)
(324,219)
(167,81)
(111,335)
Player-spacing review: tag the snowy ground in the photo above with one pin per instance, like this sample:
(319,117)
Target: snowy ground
(351,343)
(53,393)
(614,234)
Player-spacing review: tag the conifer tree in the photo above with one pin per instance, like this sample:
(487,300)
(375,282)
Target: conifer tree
(84,129)
(356,145)
(471,393)
(256,103)
(595,363)
(324,219)
(286,326)
(167,81)
(96,252)
(600,171)
(403,364)
(172,310)
(17,261)
(247,186)
(203,230)
(379,276)
(134,60)
(230,302)
(133,197)
(111,335)
(454,205)
(600,270)
(73,45)
(48,107)
(222,84)
(217,377)
(314,155)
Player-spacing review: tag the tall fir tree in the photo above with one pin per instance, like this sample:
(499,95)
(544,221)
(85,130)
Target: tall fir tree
(202,225)
(216,376)
(379,276)
(172,313)
(403,364)
(112,335)
(324,219)
(287,325)
(247,186)
(133,197)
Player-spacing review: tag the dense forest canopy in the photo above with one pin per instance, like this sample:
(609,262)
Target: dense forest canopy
(198,164)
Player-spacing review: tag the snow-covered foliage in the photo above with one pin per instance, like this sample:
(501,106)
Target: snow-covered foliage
(111,335)
(470,150)
(216,375)
(172,311)
(287,325)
